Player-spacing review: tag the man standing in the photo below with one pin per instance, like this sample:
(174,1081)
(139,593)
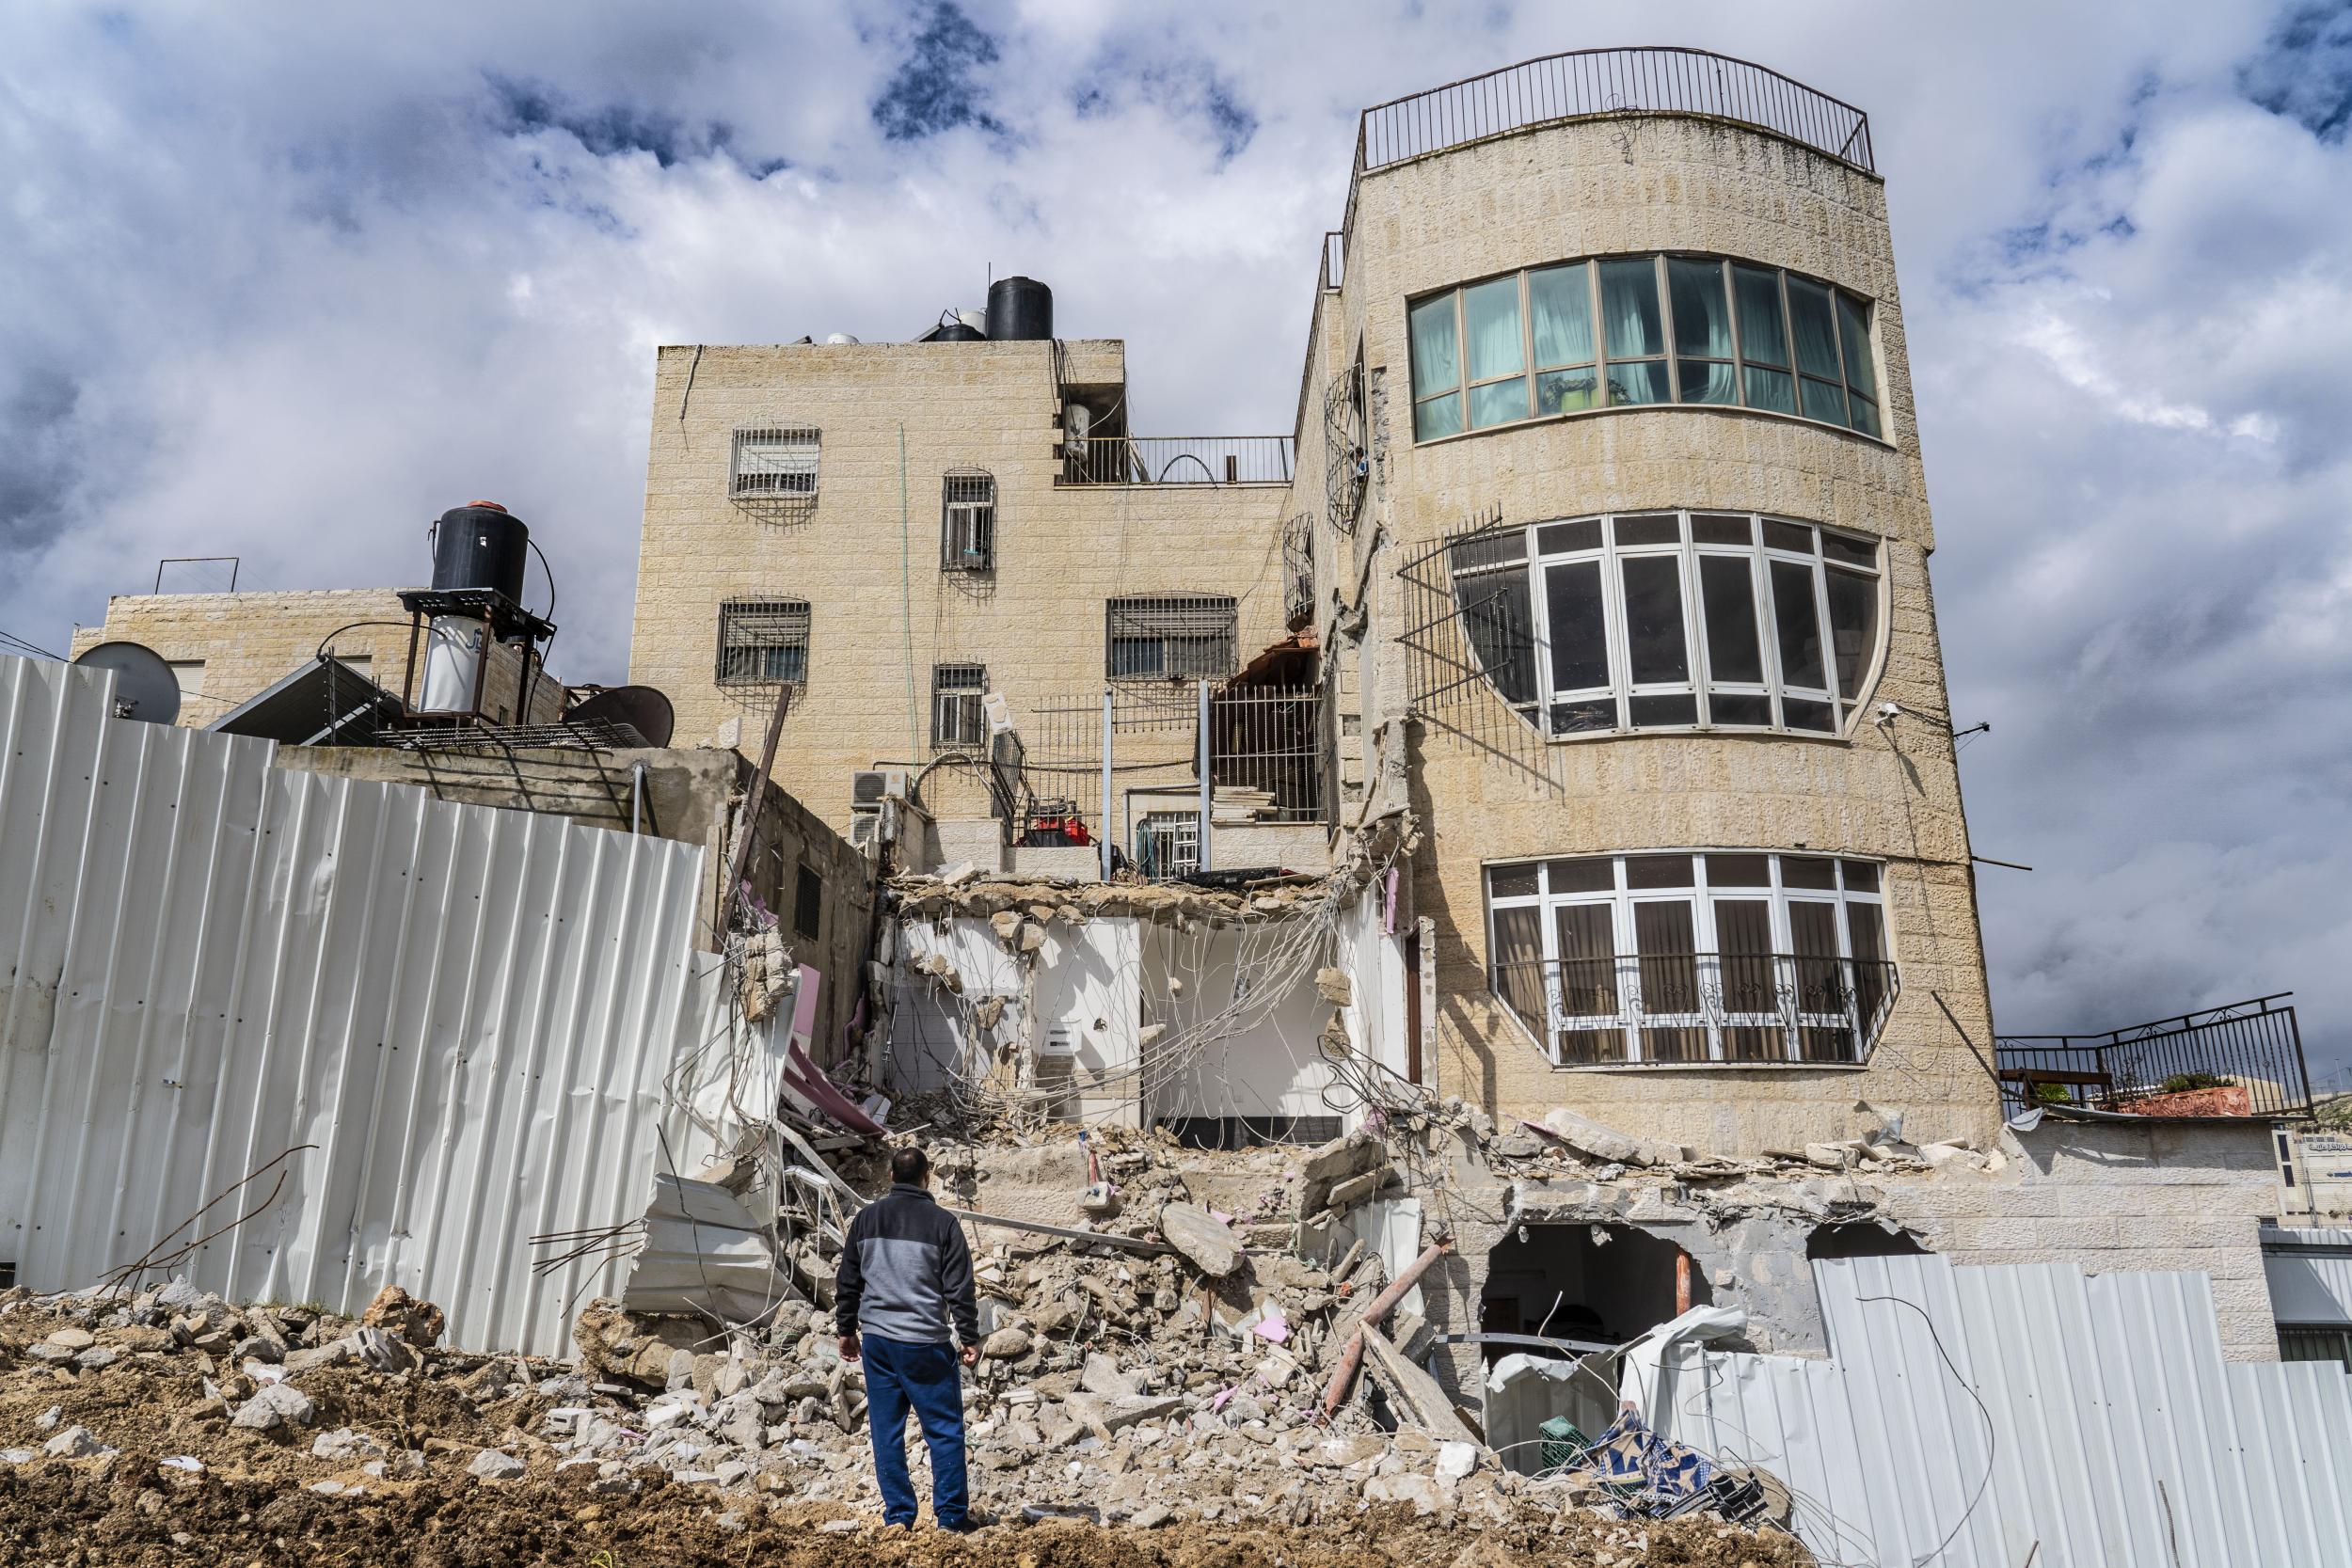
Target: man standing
(905,1273)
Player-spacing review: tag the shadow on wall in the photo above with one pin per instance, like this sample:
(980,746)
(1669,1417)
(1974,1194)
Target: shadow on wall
(1860,1238)
(1598,1282)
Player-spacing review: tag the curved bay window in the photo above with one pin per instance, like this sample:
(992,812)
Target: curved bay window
(1724,956)
(1672,620)
(1627,331)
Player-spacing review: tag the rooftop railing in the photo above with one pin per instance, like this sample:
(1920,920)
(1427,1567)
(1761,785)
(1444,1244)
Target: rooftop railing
(2243,1059)
(1610,81)
(1179,460)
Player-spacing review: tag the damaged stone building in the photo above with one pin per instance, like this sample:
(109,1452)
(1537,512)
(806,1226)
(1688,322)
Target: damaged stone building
(1570,673)
(1475,889)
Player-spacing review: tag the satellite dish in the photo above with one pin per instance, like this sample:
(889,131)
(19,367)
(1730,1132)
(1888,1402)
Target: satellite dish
(145,688)
(640,707)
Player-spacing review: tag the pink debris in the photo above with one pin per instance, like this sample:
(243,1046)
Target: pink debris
(1273,1326)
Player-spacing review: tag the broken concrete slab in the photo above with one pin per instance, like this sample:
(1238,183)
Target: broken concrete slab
(1204,1240)
(273,1406)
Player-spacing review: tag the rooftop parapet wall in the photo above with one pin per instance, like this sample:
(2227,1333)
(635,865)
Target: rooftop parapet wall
(247,640)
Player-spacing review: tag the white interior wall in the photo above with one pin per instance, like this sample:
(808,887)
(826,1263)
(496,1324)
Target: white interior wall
(1269,1069)
(1084,980)
(1374,957)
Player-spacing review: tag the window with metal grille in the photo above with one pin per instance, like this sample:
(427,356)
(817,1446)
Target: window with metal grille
(808,904)
(959,716)
(1170,637)
(1741,957)
(967,521)
(763,641)
(1168,844)
(775,460)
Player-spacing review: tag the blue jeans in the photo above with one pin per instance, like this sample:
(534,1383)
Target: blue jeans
(900,1373)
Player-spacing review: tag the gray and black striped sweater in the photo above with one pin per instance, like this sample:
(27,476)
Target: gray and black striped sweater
(906,1272)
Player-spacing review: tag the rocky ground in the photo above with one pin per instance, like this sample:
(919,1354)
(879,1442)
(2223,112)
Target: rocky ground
(173,1427)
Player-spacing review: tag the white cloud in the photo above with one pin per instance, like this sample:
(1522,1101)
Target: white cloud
(287,292)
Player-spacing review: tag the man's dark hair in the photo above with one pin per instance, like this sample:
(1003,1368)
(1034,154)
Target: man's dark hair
(909,1165)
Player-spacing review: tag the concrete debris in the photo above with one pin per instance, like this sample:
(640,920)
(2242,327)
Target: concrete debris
(490,1464)
(1206,1241)
(275,1405)
(1142,1389)
(1335,986)
(75,1442)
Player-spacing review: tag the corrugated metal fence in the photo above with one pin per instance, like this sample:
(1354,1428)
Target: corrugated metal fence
(1971,1418)
(467,1013)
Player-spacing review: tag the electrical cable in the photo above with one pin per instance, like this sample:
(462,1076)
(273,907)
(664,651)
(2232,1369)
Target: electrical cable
(33,648)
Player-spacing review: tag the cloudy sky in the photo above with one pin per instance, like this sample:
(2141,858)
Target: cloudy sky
(284,282)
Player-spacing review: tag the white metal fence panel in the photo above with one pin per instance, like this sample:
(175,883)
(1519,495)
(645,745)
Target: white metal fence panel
(465,1014)
(1970,1416)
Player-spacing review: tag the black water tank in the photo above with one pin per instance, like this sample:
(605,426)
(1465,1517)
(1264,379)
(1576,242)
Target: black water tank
(956,332)
(480,544)
(1020,310)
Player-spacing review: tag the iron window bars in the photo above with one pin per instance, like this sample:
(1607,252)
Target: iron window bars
(959,715)
(1686,329)
(1672,620)
(763,641)
(1738,957)
(1168,844)
(775,461)
(1170,637)
(967,521)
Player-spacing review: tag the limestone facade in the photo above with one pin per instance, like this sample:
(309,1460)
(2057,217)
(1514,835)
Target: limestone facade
(246,642)
(1599,187)
(894,421)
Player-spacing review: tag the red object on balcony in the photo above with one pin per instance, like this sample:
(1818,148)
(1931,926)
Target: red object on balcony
(2230,1100)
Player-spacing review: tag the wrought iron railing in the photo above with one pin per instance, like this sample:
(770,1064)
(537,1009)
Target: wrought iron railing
(1266,753)
(1179,460)
(2242,1059)
(1736,1008)
(1610,81)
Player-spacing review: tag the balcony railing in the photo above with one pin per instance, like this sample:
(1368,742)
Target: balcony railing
(1610,81)
(1737,1009)
(2244,1059)
(1179,460)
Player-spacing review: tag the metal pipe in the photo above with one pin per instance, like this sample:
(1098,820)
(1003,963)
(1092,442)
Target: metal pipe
(1102,833)
(1335,1394)
(636,796)
(1207,860)
(1682,1283)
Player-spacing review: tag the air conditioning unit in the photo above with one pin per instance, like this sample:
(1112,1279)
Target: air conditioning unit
(999,713)
(865,830)
(870,787)
(1077,420)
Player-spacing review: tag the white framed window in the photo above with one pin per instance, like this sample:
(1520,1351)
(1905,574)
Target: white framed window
(775,461)
(959,712)
(1738,956)
(1625,330)
(967,521)
(1168,844)
(1170,637)
(1673,620)
(763,641)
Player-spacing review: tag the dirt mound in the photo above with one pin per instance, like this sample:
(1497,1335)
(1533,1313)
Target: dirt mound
(123,1512)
